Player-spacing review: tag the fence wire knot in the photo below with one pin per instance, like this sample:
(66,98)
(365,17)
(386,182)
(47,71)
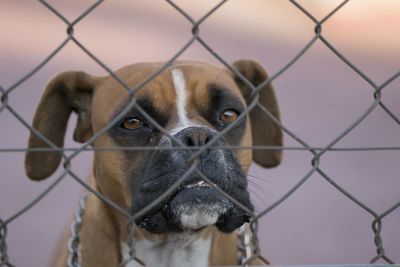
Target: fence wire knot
(3,99)
(380,251)
(4,261)
(131,245)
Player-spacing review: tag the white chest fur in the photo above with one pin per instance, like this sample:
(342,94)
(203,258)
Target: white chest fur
(180,250)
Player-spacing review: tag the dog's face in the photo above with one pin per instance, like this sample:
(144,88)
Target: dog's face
(193,102)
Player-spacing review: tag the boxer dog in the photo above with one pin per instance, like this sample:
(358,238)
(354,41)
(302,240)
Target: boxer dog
(193,101)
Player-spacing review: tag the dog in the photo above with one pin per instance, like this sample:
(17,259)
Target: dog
(193,102)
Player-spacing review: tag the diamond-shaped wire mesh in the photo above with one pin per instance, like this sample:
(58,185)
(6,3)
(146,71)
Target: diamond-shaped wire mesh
(194,26)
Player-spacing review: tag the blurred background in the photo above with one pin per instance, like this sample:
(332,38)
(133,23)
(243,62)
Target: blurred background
(320,96)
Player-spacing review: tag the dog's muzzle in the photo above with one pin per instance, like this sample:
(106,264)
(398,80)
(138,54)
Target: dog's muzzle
(195,204)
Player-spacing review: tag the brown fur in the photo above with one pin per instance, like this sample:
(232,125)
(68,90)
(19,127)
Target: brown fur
(96,100)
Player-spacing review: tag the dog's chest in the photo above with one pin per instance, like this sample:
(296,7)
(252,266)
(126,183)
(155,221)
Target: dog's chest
(178,252)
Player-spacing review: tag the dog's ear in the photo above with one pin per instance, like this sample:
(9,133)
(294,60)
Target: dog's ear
(68,91)
(265,132)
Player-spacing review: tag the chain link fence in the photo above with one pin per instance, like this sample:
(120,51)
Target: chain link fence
(377,218)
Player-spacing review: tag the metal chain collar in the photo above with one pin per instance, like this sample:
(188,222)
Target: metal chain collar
(244,248)
(74,248)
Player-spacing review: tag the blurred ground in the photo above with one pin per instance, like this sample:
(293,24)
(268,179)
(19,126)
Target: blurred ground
(320,96)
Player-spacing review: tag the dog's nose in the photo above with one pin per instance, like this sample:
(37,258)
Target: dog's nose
(195,136)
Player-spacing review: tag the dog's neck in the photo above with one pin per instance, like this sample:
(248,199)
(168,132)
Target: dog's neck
(177,250)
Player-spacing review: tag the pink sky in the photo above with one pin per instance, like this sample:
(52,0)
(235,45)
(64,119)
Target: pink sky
(361,25)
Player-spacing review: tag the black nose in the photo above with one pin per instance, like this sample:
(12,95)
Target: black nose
(195,136)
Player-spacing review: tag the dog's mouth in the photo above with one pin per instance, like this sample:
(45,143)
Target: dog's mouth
(193,207)
(196,204)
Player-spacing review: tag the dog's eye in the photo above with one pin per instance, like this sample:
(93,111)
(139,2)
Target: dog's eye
(229,116)
(132,123)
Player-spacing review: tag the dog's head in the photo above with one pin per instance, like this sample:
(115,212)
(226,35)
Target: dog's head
(194,102)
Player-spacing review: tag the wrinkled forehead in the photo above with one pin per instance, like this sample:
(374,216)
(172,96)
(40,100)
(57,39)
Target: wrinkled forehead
(193,79)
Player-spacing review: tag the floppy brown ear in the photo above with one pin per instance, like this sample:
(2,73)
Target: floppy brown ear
(68,91)
(265,132)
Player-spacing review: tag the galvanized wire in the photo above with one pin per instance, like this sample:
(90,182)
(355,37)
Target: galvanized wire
(316,152)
